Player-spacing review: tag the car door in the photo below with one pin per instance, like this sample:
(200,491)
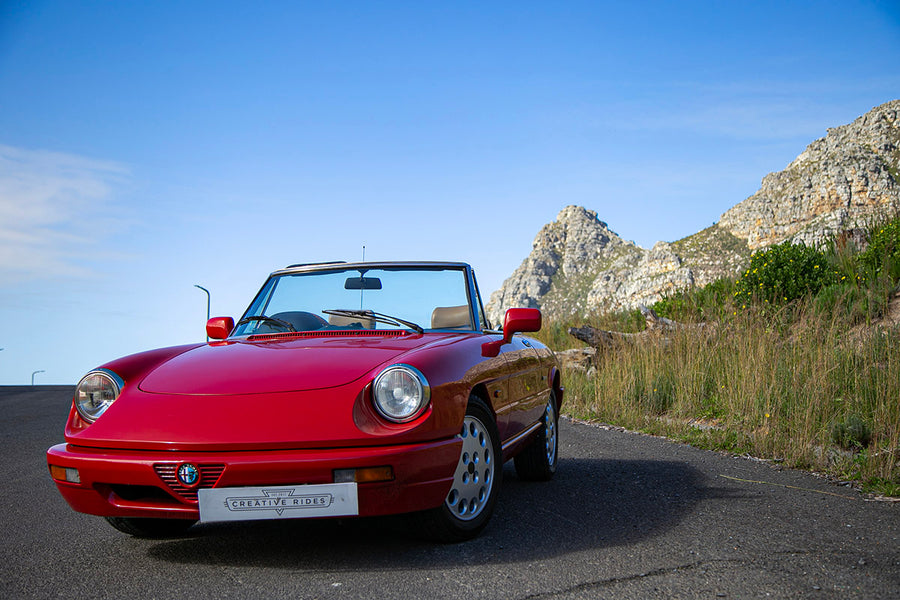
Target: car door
(527,387)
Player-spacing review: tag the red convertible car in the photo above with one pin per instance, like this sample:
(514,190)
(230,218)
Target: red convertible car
(346,389)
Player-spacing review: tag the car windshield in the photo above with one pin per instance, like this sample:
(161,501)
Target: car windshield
(414,298)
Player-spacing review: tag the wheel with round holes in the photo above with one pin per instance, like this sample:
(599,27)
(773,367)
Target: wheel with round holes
(538,461)
(476,481)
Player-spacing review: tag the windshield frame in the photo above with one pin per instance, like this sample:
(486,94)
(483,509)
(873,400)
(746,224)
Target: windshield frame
(477,317)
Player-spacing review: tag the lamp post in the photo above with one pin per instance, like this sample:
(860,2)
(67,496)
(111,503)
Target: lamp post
(207,303)
(35,373)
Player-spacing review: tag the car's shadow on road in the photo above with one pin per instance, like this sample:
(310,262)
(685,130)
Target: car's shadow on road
(591,503)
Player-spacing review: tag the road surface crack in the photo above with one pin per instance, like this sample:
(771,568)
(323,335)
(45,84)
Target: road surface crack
(588,585)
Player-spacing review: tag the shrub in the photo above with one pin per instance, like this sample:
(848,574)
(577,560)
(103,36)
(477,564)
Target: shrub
(852,433)
(882,257)
(783,273)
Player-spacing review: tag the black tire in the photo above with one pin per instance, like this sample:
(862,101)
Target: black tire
(151,528)
(537,462)
(476,483)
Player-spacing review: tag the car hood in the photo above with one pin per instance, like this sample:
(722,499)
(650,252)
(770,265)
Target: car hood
(248,394)
(283,364)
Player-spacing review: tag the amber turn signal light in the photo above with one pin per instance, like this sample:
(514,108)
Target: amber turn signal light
(364,475)
(65,474)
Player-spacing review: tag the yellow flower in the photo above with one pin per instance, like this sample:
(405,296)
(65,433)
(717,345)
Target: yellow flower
(767,415)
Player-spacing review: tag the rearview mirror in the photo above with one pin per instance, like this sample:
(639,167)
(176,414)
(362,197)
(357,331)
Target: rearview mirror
(362,283)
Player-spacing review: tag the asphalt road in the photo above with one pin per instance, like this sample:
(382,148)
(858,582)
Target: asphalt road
(628,516)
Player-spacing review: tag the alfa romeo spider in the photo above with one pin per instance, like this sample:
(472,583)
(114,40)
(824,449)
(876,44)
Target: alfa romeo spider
(344,390)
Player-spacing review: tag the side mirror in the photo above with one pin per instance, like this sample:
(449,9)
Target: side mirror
(517,320)
(520,319)
(218,328)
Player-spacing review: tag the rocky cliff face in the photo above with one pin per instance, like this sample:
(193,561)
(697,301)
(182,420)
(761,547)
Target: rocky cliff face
(839,183)
(565,259)
(578,265)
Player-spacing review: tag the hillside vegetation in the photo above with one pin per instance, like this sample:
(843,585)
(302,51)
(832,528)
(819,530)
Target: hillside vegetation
(801,364)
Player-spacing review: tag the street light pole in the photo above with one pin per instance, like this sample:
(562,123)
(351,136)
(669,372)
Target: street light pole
(35,373)
(207,303)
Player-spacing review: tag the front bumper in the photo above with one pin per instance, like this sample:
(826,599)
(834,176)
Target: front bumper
(128,483)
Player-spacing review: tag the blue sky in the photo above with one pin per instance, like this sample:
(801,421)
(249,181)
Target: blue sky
(148,147)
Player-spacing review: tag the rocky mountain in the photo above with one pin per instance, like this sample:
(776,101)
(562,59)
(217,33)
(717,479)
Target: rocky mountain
(842,181)
(578,265)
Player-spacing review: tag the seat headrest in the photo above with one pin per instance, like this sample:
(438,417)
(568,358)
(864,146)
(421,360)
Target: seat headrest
(451,317)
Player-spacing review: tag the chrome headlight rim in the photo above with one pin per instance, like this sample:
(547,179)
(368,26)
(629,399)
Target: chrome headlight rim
(423,388)
(114,380)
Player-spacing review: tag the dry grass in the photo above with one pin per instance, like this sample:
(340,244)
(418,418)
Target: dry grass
(787,387)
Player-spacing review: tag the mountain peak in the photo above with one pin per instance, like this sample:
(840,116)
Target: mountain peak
(573,214)
(839,183)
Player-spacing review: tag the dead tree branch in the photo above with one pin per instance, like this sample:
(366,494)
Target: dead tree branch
(657,327)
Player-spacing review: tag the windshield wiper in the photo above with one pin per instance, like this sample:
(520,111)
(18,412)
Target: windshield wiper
(377,317)
(265,319)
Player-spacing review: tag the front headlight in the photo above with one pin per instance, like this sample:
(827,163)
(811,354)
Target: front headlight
(96,392)
(401,393)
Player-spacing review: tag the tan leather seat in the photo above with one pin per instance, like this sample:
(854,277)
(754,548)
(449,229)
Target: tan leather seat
(342,321)
(451,317)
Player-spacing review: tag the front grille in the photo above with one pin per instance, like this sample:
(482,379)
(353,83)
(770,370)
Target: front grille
(209,475)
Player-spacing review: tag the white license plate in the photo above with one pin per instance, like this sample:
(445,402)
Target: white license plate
(278,502)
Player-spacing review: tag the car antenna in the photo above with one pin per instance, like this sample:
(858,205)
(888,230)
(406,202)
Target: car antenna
(360,278)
